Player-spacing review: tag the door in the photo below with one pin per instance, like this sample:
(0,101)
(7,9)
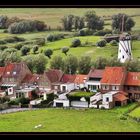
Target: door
(63,88)
(117,103)
(59,104)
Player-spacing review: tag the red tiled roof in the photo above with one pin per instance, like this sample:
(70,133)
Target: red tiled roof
(80,79)
(113,75)
(96,73)
(122,92)
(67,78)
(133,78)
(54,75)
(27,78)
(12,67)
(120,97)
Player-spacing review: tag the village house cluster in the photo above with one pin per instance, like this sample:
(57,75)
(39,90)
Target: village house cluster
(114,86)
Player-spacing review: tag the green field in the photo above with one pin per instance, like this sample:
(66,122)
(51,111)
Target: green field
(52,16)
(82,94)
(65,120)
(135,113)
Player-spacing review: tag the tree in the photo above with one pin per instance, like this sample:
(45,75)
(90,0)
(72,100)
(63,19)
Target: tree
(13,57)
(81,23)
(67,22)
(100,63)
(30,61)
(48,53)
(25,50)
(118,23)
(40,63)
(76,22)
(65,50)
(114,62)
(57,62)
(84,64)
(3,20)
(35,49)
(71,64)
(93,21)
(133,65)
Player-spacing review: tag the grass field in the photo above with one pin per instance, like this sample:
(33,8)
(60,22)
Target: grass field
(82,94)
(135,113)
(52,16)
(65,120)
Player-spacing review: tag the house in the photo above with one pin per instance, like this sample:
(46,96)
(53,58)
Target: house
(13,75)
(80,81)
(132,85)
(113,79)
(93,79)
(61,101)
(53,77)
(67,82)
(112,99)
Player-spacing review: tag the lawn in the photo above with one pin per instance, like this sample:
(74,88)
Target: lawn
(82,94)
(135,113)
(68,120)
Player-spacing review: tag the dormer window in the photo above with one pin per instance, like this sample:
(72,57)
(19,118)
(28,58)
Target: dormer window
(8,72)
(14,73)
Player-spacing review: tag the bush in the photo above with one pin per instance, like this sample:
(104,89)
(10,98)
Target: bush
(85,31)
(54,37)
(2,42)
(48,53)
(76,43)
(35,49)
(24,100)
(113,43)
(102,32)
(14,102)
(3,20)
(13,39)
(82,32)
(3,47)
(18,46)
(101,43)
(40,41)
(122,117)
(25,50)
(10,50)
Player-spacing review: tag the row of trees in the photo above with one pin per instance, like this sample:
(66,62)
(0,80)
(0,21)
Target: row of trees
(94,22)
(16,25)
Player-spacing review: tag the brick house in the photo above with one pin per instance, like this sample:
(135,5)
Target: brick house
(132,85)
(13,74)
(113,79)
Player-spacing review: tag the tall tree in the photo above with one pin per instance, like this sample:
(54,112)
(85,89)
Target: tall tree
(71,64)
(94,22)
(122,22)
(84,64)
(57,62)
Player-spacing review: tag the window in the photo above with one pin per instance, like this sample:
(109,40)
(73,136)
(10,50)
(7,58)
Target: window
(8,72)
(120,50)
(14,72)
(123,56)
(107,99)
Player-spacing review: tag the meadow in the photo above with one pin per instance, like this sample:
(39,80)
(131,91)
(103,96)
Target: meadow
(69,120)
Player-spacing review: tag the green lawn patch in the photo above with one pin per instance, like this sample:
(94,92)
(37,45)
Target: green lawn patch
(67,120)
(82,94)
(135,113)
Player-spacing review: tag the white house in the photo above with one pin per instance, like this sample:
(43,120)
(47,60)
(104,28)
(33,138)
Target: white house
(107,100)
(93,79)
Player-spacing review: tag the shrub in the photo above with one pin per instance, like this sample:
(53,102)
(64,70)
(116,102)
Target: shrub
(113,43)
(35,49)
(122,117)
(82,32)
(13,39)
(48,52)
(24,100)
(25,50)
(18,46)
(10,50)
(54,37)
(102,32)
(3,20)
(14,102)
(65,50)
(76,43)
(40,41)
(3,47)
(101,43)
(2,42)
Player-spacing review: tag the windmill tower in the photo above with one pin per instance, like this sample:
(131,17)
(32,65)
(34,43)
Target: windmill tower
(125,48)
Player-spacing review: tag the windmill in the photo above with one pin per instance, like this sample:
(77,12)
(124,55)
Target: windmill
(125,49)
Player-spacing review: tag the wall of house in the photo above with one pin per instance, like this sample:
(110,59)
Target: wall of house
(94,85)
(111,87)
(79,104)
(69,87)
(65,102)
